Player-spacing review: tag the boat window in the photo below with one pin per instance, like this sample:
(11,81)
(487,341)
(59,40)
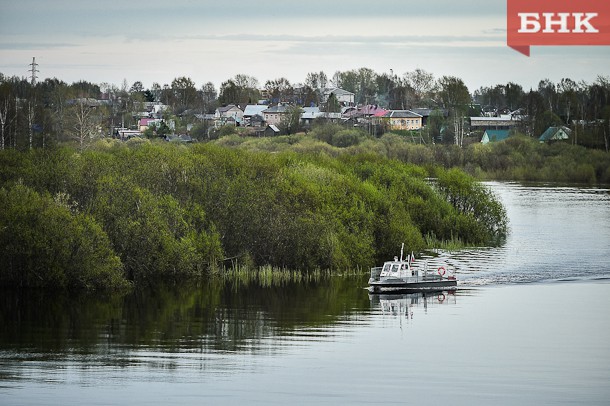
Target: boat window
(386,267)
(395,268)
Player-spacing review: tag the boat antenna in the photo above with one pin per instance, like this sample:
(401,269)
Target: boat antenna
(401,250)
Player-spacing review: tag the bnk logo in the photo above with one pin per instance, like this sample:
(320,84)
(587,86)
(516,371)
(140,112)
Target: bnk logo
(557,22)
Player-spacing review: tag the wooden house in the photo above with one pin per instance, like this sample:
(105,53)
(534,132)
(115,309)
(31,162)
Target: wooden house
(555,134)
(494,136)
(402,120)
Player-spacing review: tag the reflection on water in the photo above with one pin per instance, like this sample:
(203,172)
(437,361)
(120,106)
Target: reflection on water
(406,304)
(330,341)
(42,330)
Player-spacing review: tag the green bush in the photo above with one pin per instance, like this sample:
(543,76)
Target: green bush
(44,244)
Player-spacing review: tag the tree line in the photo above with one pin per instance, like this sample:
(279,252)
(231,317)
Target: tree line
(122,214)
(39,115)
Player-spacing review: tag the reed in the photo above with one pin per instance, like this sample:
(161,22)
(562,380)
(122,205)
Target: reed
(269,276)
(453,244)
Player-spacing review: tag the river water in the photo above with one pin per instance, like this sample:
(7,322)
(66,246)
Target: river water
(529,324)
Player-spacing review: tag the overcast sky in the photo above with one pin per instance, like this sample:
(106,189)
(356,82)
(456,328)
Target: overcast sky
(159,40)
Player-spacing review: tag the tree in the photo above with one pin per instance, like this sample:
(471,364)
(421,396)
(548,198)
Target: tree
(318,81)
(361,82)
(184,92)
(208,95)
(291,121)
(403,97)
(7,116)
(514,95)
(137,87)
(422,83)
(156,90)
(44,242)
(332,104)
(456,98)
(534,109)
(83,122)
(240,89)
(548,91)
(279,90)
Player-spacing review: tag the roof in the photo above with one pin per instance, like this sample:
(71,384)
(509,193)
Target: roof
(274,128)
(280,108)
(148,121)
(310,112)
(555,133)
(401,114)
(494,135)
(424,112)
(338,92)
(224,109)
(368,110)
(254,109)
(494,119)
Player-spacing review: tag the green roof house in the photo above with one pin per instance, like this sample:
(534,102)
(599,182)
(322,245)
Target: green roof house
(555,134)
(494,135)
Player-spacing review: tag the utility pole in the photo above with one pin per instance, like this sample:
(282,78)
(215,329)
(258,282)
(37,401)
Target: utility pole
(33,70)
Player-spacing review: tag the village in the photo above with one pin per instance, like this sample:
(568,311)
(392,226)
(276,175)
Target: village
(267,118)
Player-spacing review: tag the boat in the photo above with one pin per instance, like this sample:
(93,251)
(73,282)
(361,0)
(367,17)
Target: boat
(402,275)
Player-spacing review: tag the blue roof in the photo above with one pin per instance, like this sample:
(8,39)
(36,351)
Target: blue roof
(555,133)
(494,135)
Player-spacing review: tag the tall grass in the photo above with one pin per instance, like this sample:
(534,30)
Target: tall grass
(453,244)
(270,276)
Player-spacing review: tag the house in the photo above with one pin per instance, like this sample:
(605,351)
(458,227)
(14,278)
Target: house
(309,114)
(253,110)
(343,96)
(494,136)
(182,138)
(256,121)
(369,110)
(145,123)
(271,130)
(232,112)
(426,113)
(402,120)
(125,134)
(504,122)
(555,134)
(274,115)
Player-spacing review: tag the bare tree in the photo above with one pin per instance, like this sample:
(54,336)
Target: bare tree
(421,82)
(3,121)
(30,116)
(83,123)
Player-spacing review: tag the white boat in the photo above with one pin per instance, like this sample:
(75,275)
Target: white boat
(401,275)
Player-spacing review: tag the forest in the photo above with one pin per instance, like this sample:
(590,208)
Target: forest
(121,214)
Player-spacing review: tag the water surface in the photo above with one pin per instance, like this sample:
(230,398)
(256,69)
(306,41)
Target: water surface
(529,324)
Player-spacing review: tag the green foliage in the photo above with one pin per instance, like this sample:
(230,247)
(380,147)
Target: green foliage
(45,244)
(524,159)
(482,217)
(293,202)
(338,136)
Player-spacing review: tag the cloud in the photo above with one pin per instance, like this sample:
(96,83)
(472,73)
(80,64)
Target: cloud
(22,46)
(353,39)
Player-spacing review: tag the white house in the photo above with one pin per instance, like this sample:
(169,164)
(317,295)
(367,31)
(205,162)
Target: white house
(343,96)
(228,113)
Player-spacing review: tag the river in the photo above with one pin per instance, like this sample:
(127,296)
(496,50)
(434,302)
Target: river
(529,324)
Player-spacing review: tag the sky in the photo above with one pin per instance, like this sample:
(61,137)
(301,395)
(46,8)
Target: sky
(114,41)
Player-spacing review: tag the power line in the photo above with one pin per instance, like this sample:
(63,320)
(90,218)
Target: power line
(33,70)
